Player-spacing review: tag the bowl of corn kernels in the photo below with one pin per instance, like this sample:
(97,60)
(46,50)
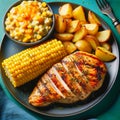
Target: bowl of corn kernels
(29,22)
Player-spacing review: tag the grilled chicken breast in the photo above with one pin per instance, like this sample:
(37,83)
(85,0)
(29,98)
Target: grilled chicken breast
(71,80)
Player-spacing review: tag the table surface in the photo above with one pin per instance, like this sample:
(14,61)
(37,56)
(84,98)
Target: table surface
(109,108)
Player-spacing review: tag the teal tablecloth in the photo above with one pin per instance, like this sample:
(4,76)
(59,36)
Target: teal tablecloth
(109,108)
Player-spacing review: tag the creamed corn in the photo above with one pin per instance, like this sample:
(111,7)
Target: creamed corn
(29,21)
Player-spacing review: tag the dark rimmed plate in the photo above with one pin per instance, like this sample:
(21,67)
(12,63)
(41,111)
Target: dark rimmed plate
(21,94)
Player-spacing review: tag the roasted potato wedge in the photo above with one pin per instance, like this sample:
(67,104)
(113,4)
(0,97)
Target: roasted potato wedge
(70,47)
(92,40)
(78,13)
(103,36)
(80,34)
(60,24)
(104,54)
(68,20)
(64,36)
(92,18)
(66,10)
(73,26)
(107,46)
(92,28)
(83,45)
(83,22)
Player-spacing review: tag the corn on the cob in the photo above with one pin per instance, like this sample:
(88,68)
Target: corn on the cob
(32,62)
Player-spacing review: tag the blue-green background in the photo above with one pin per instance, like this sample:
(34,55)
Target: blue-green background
(108,109)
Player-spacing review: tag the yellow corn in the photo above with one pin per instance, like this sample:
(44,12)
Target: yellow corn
(32,62)
(39,36)
(44,4)
(44,14)
(36,28)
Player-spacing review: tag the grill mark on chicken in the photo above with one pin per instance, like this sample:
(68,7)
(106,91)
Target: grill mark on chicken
(75,78)
(61,80)
(37,99)
(48,79)
(93,77)
(43,91)
(80,71)
(89,60)
(67,77)
(86,64)
(83,83)
(60,84)
(95,70)
(68,65)
(53,95)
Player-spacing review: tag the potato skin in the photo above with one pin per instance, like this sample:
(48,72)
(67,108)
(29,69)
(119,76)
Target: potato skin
(70,47)
(92,28)
(73,26)
(82,32)
(92,18)
(66,10)
(78,13)
(106,46)
(83,45)
(104,55)
(92,40)
(64,36)
(104,35)
(60,24)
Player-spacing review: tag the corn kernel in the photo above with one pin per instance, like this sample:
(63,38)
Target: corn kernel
(20,19)
(39,37)
(44,14)
(28,31)
(7,28)
(25,39)
(29,26)
(12,34)
(44,4)
(36,28)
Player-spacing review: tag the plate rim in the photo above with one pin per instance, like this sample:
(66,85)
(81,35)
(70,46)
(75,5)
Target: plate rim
(76,113)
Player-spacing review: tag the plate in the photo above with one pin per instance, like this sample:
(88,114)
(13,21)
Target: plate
(21,94)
